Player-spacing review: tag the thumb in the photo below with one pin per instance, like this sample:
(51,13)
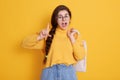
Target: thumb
(68,32)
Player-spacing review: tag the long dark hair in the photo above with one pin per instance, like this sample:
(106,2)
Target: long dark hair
(54,26)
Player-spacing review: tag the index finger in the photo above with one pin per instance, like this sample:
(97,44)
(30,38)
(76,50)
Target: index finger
(48,27)
(76,31)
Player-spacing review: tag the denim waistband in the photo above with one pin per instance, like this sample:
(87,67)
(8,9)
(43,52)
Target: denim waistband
(61,66)
(59,72)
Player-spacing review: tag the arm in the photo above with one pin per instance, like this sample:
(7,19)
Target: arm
(36,41)
(77,43)
(33,42)
(78,48)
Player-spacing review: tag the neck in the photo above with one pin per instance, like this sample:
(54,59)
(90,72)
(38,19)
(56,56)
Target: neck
(63,30)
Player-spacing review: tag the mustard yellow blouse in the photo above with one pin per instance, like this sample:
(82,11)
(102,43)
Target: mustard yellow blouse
(62,51)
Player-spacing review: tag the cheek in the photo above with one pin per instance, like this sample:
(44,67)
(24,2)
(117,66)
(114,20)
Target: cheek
(59,22)
(68,21)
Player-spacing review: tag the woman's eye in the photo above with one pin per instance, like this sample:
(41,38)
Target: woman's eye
(66,16)
(59,17)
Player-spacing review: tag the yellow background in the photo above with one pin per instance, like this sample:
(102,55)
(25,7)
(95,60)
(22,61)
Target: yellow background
(97,20)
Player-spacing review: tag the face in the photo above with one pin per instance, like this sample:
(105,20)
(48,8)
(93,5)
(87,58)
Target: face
(63,19)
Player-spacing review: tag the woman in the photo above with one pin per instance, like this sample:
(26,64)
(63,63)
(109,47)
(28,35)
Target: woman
(61,44)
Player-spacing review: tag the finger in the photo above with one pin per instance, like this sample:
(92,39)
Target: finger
(68,32)
(72,33)
(42,33)
(73,30)
(48,27)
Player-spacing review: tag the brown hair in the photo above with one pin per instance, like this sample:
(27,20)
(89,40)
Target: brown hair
(54,26)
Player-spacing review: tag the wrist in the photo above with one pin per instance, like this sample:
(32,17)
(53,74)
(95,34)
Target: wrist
(72,40)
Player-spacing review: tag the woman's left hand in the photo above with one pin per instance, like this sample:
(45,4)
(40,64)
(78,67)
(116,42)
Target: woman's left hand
(71,34)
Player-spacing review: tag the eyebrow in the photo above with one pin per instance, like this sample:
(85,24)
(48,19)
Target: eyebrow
(61,15)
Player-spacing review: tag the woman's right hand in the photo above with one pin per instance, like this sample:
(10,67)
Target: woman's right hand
(44,33)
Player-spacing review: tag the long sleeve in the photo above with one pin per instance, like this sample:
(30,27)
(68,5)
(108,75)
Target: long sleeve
(31,42)
(78,49)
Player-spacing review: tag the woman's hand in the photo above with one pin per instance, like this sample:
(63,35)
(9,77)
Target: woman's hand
(71,34)
(44,33)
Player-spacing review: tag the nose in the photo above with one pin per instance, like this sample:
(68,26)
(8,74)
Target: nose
(63,18)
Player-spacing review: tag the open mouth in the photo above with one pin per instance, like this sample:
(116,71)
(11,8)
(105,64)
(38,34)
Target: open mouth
(64,24)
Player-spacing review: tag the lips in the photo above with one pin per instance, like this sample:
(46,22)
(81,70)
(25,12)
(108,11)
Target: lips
(64,24)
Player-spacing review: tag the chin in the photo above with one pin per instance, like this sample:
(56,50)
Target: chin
(64,28)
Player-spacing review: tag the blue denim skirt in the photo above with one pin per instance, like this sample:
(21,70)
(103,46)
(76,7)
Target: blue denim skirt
(59,72)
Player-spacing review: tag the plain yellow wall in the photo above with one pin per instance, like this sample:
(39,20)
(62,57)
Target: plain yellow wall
(97,20)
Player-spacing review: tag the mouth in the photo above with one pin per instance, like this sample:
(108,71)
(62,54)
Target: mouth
(64,24)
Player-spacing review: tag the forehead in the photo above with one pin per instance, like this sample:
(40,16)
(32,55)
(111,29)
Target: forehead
(63,12)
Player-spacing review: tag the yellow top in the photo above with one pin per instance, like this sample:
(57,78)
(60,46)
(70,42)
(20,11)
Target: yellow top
(62,51)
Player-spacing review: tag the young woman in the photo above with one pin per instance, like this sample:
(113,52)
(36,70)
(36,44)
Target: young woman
(61,45)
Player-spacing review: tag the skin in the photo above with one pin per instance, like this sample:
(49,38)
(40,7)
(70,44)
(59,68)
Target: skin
(63,20)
